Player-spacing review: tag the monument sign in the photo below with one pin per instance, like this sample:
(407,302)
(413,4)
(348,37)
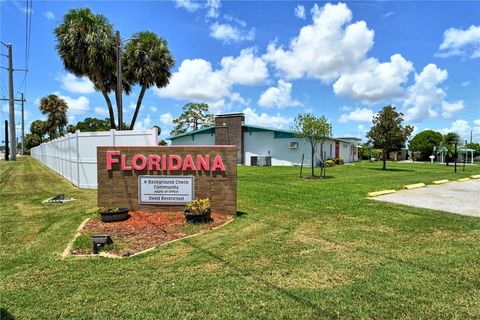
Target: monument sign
(166,178)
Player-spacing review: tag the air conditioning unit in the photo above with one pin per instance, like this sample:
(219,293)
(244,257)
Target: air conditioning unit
(293,145)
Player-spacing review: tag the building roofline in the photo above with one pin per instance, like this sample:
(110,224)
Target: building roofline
(342,139)
(190,133)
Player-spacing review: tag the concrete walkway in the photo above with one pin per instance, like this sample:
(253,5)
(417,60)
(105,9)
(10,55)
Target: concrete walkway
(456,197)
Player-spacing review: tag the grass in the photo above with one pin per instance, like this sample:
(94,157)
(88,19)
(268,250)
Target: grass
(299,248)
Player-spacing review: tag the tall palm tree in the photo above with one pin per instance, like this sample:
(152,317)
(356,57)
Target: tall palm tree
(56,110)
(86,44)
(147,62)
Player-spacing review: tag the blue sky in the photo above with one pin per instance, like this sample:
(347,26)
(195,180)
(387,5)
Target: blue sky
(273,60)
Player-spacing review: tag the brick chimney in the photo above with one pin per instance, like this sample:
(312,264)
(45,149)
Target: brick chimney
(229,131)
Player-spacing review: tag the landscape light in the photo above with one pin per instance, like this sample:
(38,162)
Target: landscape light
(99,242)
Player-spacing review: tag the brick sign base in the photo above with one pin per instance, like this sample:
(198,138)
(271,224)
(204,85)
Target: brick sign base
(118,186)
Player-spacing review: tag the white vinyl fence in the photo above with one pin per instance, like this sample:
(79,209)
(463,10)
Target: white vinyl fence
(74,156)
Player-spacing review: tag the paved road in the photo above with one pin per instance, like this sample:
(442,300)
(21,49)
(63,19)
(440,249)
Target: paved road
(456,197)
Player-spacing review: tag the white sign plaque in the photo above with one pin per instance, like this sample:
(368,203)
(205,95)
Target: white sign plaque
(170,190)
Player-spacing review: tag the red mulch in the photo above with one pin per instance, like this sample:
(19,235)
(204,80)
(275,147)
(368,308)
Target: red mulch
(144,230)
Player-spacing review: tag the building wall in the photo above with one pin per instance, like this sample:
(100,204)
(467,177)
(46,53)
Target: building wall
(261,143)
(201,139)
(119,189)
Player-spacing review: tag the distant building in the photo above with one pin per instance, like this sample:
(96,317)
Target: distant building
(265,146)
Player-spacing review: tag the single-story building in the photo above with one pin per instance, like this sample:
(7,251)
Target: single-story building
(266,146)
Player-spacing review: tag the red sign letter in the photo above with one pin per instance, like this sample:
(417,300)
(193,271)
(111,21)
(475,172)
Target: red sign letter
(143,162)
(218,164)
(110,159)
(123,164)
(188,163)
(153,160)
(177,166)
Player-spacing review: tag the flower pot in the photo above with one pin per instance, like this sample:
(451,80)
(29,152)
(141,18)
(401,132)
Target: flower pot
(203,217)
(113,216)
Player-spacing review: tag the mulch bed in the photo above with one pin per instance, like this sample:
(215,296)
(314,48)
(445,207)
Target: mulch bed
(144,230)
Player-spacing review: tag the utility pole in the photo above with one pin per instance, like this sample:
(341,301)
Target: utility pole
(11,109)
(23,124)
(119,80)
(7,150)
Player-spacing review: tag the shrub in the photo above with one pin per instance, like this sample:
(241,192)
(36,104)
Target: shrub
(329,163)
(339,161)
(198,206)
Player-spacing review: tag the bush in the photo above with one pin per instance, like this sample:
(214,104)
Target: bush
(339,161)
(329,163)
(424,142)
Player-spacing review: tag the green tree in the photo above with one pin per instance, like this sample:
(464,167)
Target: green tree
(448,146)
(314,130)
(86,45)
(56,110)
(147,62)
(194,116)
(475,146)
(32,140)
(387,132)
(424,142)
(93,124)
(39,128)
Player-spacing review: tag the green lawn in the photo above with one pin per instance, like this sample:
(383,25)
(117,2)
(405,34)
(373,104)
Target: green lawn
(299,248)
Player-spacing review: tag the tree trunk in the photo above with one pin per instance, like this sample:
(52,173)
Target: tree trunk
(107,99)
(313,160)
(385,160)
(139,104)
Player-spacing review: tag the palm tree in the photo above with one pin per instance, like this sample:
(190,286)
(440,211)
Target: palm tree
(86,44)
(56,110)
(146,61)
(448,145)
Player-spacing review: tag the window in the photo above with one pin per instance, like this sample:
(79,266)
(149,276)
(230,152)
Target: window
(331,150)
(293,145)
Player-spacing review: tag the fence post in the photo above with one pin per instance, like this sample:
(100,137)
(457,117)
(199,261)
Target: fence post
(112,133)
(77,151)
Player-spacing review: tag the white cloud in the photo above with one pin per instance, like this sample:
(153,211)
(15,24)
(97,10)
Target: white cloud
(196,80)
(450,108)
(145,123)
(357,115)
(325,49)
(213,8)
(388,14)
(465,83)
(279,96)
(74,84)
(153,109)
(188,5)
(101,110)
(265,120)
(458,42)
(463,128)
(229,33)
(76,106)
(373,81)
(245,69)
(166,119)
(49,15)
(425,94)
(300,12)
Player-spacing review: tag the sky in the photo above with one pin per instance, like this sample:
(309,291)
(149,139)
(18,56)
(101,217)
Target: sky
(272,60)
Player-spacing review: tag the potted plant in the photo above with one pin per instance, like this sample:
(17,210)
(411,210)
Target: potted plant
(113,214)
(198,210)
